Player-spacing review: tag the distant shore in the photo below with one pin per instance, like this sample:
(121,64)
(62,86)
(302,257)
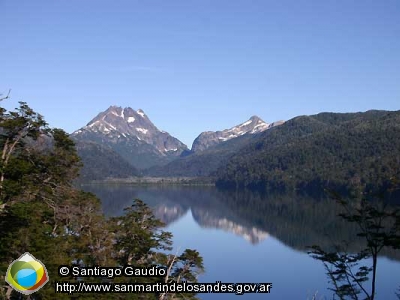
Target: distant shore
(203,181)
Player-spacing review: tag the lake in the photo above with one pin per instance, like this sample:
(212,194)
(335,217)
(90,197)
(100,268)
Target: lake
(247,237)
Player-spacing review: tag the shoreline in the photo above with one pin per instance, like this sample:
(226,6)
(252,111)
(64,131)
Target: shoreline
(189,181)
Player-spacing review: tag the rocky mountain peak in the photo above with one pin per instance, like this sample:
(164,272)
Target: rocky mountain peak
(210,138)
(255,118)
(141,112)
(118,121)
(127,129)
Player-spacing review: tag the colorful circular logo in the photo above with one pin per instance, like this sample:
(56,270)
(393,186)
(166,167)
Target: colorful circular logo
(27,274)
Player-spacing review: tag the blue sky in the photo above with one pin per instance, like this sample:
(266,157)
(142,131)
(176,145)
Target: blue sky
(199,65)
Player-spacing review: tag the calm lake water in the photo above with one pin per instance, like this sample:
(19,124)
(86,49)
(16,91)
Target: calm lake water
(246,237)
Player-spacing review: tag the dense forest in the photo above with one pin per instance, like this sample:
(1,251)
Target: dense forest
(202,163)
(101,162)
(315,152)
(43,214)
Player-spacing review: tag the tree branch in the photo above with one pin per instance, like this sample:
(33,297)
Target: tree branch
(6,97)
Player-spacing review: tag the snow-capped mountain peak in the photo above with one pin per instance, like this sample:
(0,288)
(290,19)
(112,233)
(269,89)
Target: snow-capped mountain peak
(210,138)
(117,126)
(122,121)
(141,113)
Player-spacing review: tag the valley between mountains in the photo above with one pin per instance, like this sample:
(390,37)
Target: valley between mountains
(317,151)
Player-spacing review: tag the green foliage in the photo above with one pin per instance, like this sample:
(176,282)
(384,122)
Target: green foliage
(315,152)
(187,268)
(16,129)
(42,213)
(137,235)
(203,163)
(101,162)
(125,148)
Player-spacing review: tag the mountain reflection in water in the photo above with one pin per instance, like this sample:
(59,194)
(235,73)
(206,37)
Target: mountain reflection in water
(297,221)
(171,203)
(264,238)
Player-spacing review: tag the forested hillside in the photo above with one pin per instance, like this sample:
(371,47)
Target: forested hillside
(203,163)
(43,214)
(324,150)
(101,162)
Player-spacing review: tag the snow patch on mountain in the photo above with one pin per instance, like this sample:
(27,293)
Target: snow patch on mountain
(210,138)
(93,124)
(132,134)
(260,127)
(142,130)
(246,123)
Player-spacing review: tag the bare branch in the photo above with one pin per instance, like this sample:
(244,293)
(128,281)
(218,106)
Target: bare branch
(163,295)
(6,97)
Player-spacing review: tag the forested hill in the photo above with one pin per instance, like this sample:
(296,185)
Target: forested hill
(203,163)
(323,150)
(100,162)
(42,212)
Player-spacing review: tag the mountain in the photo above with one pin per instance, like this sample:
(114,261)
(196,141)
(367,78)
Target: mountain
(211,150)
(211,138)
(327,150)
(100,162)
(131,135)
(201,163)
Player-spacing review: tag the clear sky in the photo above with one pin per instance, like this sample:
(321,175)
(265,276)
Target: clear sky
(199,65)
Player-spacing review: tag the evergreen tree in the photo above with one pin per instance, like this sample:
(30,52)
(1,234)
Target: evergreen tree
(43,214)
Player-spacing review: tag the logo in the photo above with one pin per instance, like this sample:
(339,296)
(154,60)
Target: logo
(27,274)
